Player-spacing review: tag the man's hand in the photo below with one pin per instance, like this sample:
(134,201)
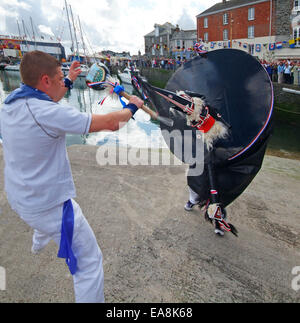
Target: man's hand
(136,101)
(74,71)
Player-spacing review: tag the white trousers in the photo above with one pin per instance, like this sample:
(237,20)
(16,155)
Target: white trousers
(194,197)
(89,278)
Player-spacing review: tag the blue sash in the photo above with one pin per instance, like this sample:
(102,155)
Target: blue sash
(67,228)
(26,91)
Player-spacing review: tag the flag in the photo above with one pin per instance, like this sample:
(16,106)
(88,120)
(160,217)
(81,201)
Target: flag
(199,48)
(292,43)
(272,46)
(258,47)
(279,45)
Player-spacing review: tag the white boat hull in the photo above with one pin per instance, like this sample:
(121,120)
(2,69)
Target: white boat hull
(125,78)
(11,68)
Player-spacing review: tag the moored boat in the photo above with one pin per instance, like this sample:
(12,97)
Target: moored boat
(98,73)
(2,66)
(66,67)
(12,68)
(126,75)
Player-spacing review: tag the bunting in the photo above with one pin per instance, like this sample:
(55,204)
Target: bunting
(292,43)
(202,47)
(272,46)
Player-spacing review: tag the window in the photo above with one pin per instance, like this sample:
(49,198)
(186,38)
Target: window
(297,36)
(225,34)
(251,32)
(296,7)
(225,19)
(156,31)
(206,37)
(251,13)
(251,49)
(205,22)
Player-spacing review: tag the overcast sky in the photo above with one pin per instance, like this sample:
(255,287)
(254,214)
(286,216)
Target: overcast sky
(118,25)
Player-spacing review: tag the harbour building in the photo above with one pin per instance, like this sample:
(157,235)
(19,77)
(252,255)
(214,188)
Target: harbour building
(16,47)
(267,29)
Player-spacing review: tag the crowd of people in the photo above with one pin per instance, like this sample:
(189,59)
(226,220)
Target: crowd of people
(282,71)
(163,63)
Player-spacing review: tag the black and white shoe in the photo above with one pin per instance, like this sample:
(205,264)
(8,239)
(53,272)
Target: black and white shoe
(189,206)
(218,229)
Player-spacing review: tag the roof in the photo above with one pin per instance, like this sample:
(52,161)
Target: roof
(229,4)
(163,29)
(185,34)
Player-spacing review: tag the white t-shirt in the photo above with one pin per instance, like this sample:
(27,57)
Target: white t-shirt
(37,169)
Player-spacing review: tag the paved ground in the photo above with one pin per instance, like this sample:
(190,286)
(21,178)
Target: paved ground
(154,251)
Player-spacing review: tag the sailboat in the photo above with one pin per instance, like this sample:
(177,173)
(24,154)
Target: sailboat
(75,56)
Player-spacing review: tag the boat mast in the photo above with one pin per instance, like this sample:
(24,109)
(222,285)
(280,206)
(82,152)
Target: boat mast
(72,48)
(75,33)
(23,24)
(19,29)
(25,35)
(83,44)
(33,33)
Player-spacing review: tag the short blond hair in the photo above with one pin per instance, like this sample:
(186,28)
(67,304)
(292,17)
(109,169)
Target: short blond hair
(35,64)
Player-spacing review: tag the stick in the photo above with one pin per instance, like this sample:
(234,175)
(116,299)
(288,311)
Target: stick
(111,83)
(153,114)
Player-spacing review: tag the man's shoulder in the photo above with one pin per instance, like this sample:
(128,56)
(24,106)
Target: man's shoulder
(44,104)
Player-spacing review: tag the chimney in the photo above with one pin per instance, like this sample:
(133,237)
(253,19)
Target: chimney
(224,1)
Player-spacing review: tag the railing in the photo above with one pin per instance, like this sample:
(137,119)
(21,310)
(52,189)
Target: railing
(12,37)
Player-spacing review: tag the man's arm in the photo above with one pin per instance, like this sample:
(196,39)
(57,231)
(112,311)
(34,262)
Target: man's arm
(115,120)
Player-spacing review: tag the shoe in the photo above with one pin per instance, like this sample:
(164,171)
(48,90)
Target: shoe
(218,229)
(36,251)
(189,206)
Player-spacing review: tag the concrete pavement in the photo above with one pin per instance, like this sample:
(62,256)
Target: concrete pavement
(153,250)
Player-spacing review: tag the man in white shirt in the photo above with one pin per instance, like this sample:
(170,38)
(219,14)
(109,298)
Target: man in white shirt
(287,73)
(38,178)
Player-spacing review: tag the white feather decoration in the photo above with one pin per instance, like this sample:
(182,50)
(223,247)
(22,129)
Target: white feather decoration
(218,130)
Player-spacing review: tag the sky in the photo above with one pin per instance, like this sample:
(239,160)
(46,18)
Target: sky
(117,25)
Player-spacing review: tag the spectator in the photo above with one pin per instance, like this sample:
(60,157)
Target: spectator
(275,72)
(280,71)
(269,69)
(292,69)
(287,73)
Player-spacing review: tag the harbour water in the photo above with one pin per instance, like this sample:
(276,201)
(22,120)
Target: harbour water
(138,133)
(142,132)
